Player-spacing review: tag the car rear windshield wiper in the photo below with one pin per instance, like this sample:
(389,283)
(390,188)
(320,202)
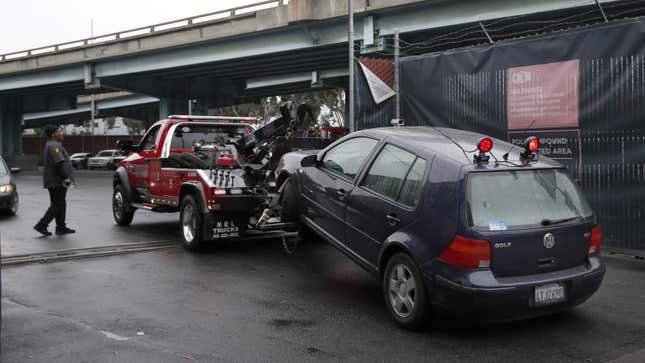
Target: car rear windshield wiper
(548,222)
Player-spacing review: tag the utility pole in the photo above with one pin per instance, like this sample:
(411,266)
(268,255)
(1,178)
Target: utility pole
(396,75)
(350,38)
(92,113)
(92,105)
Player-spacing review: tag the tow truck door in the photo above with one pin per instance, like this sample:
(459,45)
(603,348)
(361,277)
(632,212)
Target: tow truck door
(139,168)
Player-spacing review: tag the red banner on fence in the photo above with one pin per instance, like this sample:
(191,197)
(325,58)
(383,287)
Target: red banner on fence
(543,95)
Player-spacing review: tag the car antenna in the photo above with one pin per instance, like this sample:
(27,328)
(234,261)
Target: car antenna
(453,141)
(505,156)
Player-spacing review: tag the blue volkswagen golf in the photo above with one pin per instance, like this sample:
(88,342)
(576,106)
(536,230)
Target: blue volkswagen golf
(449,219)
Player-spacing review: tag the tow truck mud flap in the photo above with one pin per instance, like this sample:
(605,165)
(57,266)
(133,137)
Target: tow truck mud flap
(223,226)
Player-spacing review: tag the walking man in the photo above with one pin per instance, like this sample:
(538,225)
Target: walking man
(57,177)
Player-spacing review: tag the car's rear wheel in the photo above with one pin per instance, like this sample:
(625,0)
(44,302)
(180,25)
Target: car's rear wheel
(191,222)
(121,209)
(405,292)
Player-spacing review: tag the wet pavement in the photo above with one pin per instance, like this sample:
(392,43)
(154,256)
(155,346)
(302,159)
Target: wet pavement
(88,212)
(251,302)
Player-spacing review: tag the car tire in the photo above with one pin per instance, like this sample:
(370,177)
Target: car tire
(405,293)
(121,209)
(191,222)
(14,205)
(289,211)
(289,202)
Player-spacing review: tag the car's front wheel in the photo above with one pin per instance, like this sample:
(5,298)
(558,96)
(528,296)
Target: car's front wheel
(121,209)
(289,211)
(14,204)
(191,223)
(405,292)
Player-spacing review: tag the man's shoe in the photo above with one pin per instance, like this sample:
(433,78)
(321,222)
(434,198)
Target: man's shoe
(64,230)
(42,230)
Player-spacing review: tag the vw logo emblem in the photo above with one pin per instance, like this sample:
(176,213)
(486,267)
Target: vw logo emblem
(549,240)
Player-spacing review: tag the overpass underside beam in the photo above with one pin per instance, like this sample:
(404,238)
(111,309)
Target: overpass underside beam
(10,125)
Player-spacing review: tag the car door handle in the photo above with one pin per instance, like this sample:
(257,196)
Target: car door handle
(392,219)
(341,194)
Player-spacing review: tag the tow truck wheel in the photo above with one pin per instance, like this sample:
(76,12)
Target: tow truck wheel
(121,210)
(191,223)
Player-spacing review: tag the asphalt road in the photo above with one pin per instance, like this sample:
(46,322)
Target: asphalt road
(249,302)
(89,212)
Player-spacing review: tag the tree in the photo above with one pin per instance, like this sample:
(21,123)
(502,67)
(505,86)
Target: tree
(109,122)
(328,106)
(134,126)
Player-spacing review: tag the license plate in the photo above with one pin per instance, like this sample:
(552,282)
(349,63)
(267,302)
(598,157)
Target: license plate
(549,294)
(225,230)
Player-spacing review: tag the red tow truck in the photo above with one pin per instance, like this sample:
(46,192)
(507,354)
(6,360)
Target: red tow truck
(216,171)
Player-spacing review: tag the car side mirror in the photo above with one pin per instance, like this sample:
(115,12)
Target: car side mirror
(309,160)
(15,170)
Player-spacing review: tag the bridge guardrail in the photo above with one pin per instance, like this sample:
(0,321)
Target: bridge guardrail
(217,16)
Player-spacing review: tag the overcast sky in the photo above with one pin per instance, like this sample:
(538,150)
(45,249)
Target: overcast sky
(28,24)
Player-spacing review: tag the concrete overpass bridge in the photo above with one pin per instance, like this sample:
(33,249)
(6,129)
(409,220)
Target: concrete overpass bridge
(223,58)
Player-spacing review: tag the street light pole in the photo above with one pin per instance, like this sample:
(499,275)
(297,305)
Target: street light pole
(350,39)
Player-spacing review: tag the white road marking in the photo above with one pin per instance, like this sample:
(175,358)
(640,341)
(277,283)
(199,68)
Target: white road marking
(114,336)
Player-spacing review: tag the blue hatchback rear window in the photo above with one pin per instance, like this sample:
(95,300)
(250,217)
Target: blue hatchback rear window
(523,199)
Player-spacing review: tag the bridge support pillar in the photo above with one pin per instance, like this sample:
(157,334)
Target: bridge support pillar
(10,126)
(172,106)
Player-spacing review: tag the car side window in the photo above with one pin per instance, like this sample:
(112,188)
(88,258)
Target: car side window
(149,140)
(346,158)
(411,190)
(387,174)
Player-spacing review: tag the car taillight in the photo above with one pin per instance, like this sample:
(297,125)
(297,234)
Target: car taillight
(596,240)
(467,253)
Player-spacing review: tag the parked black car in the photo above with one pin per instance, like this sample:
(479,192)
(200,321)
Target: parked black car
(106,159)
(444,219)
(79,160)
(8,190)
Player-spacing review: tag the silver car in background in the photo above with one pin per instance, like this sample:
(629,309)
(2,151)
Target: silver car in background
(80,160)
(106,159)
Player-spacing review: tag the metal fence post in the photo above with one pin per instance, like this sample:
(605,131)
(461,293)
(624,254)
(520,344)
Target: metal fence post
(397,95)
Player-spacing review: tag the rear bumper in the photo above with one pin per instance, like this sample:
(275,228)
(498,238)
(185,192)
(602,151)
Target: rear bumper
(229,216)
(480,296)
